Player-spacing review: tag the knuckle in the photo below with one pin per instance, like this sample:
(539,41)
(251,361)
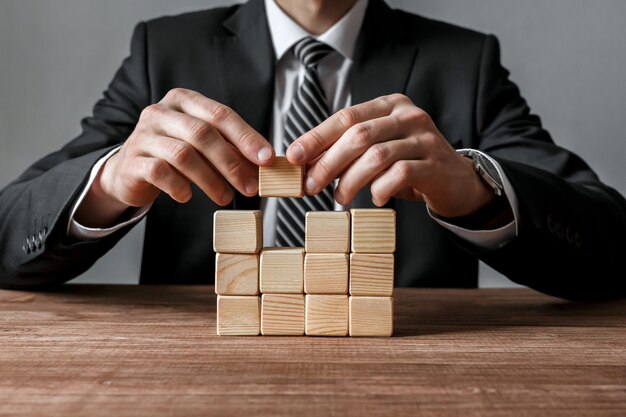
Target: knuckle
(430,139)
(314,137)
(247,139)
(347,117)
(398,98)
(323,166)
(415,141)
(215,183)
(181,153)
(415,115)
(361,135)
(153,111)
(199,131)
(219,113)
(233,167)
(155,170)
(379,154)
(176,94)
(402,171)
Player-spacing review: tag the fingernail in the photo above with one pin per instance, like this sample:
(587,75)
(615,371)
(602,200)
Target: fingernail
(310,185)
(251,187)
(296,151)
(264,154)
(377,202)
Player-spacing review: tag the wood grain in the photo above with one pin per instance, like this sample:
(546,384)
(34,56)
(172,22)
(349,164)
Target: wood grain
(238,231)
(326,315)
(238,315)
(236,274)
(371,274)
(282,270)
(373,230)
(371,316)
(327,232)
(92,350)
(281,179)
(282,314)
(326,273)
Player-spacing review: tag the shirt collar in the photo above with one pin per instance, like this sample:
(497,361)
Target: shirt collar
(341,36)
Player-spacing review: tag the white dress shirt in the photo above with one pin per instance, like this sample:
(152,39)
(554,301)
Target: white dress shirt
(333,74)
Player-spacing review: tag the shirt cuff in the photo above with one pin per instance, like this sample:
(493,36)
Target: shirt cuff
(77,231)
(489,239)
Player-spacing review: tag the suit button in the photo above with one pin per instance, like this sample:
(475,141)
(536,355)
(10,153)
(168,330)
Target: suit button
(578,239)
(560,233)
(31,243)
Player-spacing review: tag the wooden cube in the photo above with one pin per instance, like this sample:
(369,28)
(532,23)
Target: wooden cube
(371,274)
(236,274)
(327,232)
(326,315)
(282,270)
(282,315)
(238,315)
(281,179)
(373,230)
(371,316)
(238,231)
(326,273)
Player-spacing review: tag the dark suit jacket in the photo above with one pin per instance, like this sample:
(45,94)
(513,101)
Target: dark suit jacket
(571,226)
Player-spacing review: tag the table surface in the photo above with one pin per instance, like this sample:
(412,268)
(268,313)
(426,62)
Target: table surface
(152,350)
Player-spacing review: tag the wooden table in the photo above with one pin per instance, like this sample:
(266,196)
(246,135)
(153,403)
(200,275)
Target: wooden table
(146,351)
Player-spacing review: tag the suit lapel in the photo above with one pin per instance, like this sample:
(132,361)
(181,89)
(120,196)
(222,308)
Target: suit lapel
(246,67)
(384,56)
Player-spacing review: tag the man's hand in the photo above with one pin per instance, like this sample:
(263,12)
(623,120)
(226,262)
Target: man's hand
(185,138)
(393,146)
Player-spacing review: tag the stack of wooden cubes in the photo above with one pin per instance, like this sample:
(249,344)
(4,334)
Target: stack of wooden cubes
(339,284)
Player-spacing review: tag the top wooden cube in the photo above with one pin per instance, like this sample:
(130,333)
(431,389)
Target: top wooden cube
(238,231)
(327,232)
(373,230)
(281,179)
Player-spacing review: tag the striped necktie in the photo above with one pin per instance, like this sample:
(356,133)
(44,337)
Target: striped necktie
(308,109)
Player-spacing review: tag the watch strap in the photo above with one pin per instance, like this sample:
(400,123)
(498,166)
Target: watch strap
(485,168)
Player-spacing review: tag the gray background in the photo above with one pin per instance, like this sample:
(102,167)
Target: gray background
(57,56)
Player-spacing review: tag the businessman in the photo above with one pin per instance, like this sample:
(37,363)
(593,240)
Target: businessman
(384,108)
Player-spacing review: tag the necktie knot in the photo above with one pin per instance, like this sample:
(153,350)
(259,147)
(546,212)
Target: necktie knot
(310,51)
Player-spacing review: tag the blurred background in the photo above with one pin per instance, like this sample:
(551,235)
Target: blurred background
(57,56)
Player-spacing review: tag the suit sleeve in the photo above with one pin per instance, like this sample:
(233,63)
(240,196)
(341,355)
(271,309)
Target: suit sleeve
(34,209)
(571,228)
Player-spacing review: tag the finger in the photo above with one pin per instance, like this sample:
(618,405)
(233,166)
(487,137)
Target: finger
(232,127)
(402,174)
(184,158)
(310,145)
(161,175)
(353,143)
(237,170)
(374,162)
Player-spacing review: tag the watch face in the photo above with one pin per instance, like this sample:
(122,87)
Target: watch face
(485,168)
(488,167)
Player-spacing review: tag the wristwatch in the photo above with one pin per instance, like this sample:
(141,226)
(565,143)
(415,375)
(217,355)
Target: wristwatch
(485,168)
